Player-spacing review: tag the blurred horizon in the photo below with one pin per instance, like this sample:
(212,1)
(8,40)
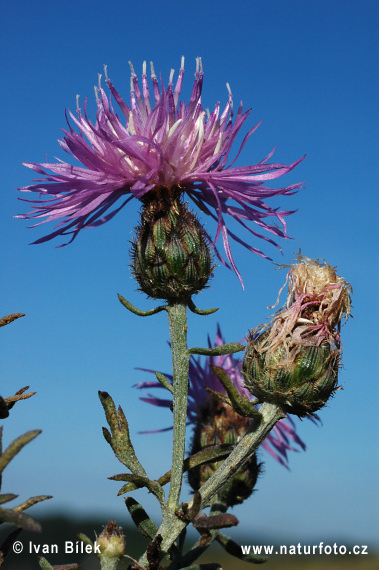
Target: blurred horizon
(58,529)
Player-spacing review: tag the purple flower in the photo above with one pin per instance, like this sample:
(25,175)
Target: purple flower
(159,142)
(282,437)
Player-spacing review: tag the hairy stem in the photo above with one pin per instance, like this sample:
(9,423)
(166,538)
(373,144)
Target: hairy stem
(177,316)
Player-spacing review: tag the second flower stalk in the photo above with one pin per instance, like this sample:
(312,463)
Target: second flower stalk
(171,260)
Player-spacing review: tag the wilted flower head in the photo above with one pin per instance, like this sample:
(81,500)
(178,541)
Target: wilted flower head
(282,437)
(317,300)
(159,142)
(293,360)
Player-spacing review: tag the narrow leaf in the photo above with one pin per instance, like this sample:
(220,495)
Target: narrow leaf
(192,307)
(119,438)
(153,486)
(107,436)
(215,522)
(229,348)
(120,477)
(10,318)
(19,519)
(16,446)
(141,518)
(110,410)
(208,455)
(85,539)
(30,502)
(44,563)
(164,381)
(241,404)
(7,497)
(139,312)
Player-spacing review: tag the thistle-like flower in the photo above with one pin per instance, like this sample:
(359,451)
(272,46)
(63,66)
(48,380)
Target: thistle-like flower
(281,439)
(293,361)
(160,143)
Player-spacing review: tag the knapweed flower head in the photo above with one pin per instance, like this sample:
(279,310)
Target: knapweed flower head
(281,439)
(317,301)
(171,258)
(217,423)
(294,359)
(111,544)
(158,143)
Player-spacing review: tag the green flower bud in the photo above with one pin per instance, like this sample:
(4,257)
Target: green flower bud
(170,254)
(218,423)
(294,360)
(300,381)
(111,546)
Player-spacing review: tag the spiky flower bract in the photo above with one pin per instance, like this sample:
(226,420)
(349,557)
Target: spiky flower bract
(293,360)
(159,143)
(170,254)
(281,439)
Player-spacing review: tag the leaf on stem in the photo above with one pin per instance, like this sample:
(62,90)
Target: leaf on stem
(229,348)
(202,522)
(189,514)
(119,437)
(241,404)
(192,307)
(19,519)
(30,502)
(8,403)
(16,446)
(141,519)
(10,318)
(85,539)
(153,486)
(139,312)
(6,497)
(164,381)
(209,455)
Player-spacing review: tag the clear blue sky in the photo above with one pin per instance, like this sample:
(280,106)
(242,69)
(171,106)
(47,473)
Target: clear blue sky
(308,70)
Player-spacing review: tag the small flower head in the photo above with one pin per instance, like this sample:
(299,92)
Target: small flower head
(111,544)
(281,439)
(293,361)
(218,423)
(158,143)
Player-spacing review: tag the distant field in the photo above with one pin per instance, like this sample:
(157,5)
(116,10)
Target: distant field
(59,529)
(299,562)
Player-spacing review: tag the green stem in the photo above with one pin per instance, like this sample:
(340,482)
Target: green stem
(109,563)
(177,317)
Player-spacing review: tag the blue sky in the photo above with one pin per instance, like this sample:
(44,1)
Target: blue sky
(308,69)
